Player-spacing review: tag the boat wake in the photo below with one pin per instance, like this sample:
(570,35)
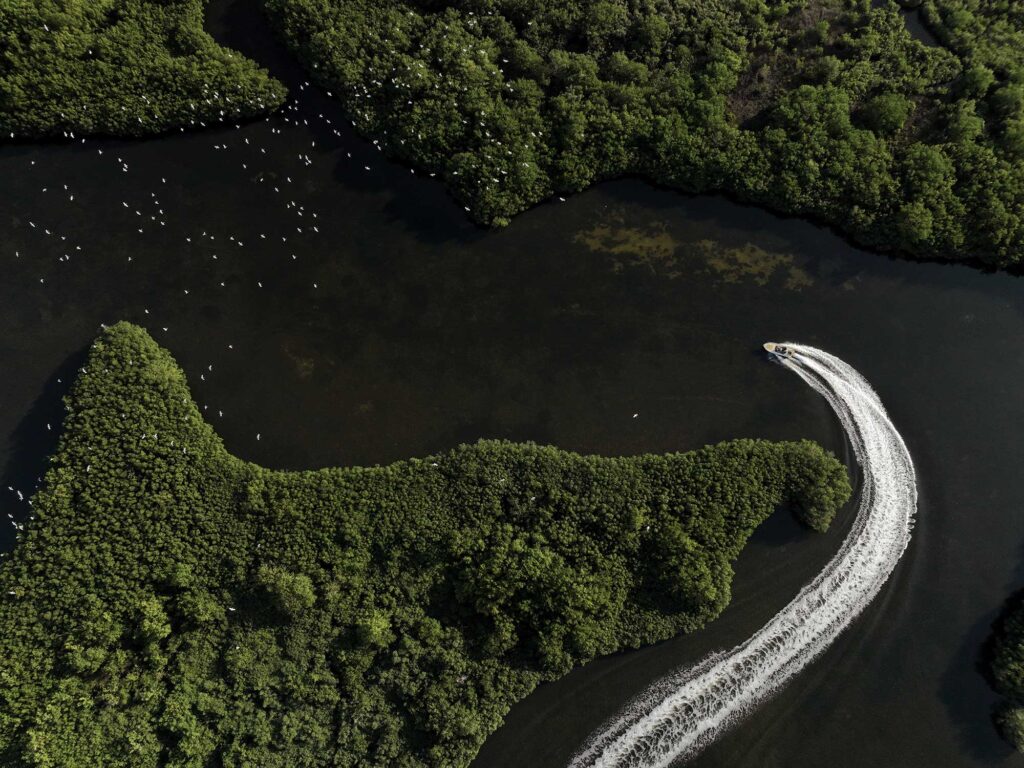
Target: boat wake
(682,713)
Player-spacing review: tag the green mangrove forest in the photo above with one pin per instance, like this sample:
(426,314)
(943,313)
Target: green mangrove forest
(120,67)
(828,109)
(822,108)
(1006,670)
(173,605)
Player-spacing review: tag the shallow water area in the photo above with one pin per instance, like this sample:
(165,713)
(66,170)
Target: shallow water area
(399,329)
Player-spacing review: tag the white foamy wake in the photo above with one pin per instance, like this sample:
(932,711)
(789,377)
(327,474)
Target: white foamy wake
(683,712)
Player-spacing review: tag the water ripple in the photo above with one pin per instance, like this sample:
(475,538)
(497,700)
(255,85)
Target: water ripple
(683,712)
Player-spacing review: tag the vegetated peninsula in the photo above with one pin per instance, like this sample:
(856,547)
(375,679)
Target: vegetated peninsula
(172,605)
(1006,668)
(821,108)
(120,67)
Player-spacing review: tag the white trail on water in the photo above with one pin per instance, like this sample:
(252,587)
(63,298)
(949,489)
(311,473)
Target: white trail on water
(682,713)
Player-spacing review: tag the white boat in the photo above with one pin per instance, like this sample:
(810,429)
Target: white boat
(778,349)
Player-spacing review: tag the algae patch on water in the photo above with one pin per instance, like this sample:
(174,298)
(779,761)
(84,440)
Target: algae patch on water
(652,247)
(655,248)
(752,262)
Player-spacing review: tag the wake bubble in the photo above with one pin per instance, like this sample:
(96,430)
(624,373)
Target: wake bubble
(682,713)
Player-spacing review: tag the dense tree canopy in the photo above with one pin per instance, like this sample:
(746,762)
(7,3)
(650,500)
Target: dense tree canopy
(123,67)
(172,605)
(822,108)
(813,107)
(987,33)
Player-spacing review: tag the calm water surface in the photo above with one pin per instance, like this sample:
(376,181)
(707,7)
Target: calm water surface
(399,329)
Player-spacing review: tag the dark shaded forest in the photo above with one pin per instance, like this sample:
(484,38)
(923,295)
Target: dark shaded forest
(172,605)
(120,67)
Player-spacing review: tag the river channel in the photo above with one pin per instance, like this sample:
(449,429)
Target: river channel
(391,327)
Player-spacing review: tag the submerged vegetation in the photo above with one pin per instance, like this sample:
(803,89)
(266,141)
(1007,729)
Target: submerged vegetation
(824,108)
(120,67)
(174,605)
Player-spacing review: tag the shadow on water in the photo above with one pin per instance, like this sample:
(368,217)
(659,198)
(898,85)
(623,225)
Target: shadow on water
(242,26)
(33,441)
(914,21)
(423,208)
(974,716)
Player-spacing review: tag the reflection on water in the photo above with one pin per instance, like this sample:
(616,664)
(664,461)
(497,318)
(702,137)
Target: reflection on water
(399,329)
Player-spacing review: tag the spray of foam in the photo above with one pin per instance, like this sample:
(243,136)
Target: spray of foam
(682,713)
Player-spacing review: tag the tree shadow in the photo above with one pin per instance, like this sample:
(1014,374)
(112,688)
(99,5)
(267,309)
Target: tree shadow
(33,442)
(974,712)
(418,204)
(242,26)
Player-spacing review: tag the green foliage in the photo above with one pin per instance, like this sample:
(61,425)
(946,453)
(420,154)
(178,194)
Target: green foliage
(1007,669)
(1010,722)
(172,605)
(986,32)
(123,67)
(514,102)
(291,593)
(887,112)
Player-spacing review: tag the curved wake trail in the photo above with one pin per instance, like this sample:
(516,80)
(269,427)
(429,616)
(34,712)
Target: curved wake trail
(683,712)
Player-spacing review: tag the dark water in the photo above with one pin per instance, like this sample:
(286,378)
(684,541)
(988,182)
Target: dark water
(914,19)
(423,332)
(917,27)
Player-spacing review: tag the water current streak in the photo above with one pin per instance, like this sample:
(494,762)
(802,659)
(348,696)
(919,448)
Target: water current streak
(682,713)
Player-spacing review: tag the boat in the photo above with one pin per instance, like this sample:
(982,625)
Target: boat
(780,350)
